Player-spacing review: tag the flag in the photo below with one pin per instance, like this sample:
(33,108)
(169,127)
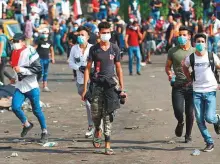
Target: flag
(77,10)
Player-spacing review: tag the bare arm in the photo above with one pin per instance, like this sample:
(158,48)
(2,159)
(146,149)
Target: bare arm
(186,71)
(169,63)
(1,48)
(120,75)
(52,54)
(126,41)
(86,75)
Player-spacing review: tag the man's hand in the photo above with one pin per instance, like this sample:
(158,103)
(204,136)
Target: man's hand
(83,95)
(0,60)
(82,69)
(17,69)
(170,77)
(53,61)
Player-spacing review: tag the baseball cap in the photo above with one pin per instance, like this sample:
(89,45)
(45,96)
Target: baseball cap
(18,36)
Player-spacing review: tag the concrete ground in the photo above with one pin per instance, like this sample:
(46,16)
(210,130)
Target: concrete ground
(148,110)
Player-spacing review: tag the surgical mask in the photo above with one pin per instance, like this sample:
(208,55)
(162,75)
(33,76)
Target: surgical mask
(81,39)
(134,28)
(105,37)
(151,21)
(182,40)
(161,18)
(45,36)
(17,46)
(200,47)
(75,29)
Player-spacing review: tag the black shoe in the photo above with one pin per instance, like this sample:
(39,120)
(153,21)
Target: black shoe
(44,138)
(138,73)
(26,129)
(209,148)
(179,129)
(217,126)
(188,139)
(130,73)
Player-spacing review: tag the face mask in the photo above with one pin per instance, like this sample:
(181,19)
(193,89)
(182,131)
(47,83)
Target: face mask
(200,47)
(81,39)
(182,40)
(17,46)
(134,28)
(75,29)
(45,36)
(105,37)
(151,21)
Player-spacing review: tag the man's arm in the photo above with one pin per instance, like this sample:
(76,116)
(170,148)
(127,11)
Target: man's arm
(120,75)
(126,40)
(52,54)
(185,65)
(1,49)
(168,69)
(86,75)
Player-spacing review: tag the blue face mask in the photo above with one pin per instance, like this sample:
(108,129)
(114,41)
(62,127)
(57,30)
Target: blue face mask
(182,40)
(74,29)
(200,47)
(81,39)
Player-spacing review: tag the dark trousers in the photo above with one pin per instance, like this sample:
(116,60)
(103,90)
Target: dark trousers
(3,73)
(182,99)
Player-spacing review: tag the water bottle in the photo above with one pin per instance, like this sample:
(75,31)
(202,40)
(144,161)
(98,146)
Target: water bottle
(172,81)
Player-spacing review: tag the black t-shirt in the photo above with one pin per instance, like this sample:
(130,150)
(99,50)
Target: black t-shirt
(157,2)
(43,48)
(93,38)
(119,26)
(169,29)
(72,37)
(105,60)
(206,4)
(115,38)
(17,6)
(149,36)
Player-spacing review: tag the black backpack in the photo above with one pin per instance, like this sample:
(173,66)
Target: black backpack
(211,62)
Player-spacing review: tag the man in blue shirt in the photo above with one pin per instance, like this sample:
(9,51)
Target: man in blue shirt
(113,8)
(216,4)
(103,9)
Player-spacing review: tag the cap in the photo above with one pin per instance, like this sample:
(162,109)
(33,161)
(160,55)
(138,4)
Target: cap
(18,36)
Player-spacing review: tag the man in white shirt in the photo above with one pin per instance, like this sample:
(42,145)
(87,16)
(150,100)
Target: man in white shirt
(78,61)
(214,29)
(186,10)
(204,87)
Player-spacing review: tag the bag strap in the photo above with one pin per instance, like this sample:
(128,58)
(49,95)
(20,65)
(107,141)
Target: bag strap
(211,61)
(192,63)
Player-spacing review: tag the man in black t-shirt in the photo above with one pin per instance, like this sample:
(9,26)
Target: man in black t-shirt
(45,50)
(18,7)
(155,9)
(206,10)
(106,59)
(169,33)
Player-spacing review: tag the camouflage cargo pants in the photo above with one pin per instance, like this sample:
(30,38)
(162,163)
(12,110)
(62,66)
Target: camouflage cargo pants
(98,112)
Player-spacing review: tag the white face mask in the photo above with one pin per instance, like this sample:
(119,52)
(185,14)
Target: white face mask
(105,37)
(17,46)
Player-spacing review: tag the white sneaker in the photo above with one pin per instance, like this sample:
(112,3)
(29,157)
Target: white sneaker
(90,132)
(143,64)
(46,89)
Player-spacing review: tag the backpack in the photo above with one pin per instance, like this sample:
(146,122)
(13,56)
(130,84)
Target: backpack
(8,46)
(211,62)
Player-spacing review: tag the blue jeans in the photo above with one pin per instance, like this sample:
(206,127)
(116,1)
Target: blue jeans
(213,44)
(34,97)
(45,65)
(19,18)
(102,14)
(156,16)
(136,51)
(57,43)
(205,110)
(205,15)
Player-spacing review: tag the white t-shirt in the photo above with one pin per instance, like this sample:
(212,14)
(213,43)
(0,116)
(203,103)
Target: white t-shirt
(204,77)
(216,26)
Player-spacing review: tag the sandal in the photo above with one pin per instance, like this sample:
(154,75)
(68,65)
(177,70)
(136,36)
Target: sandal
(109,151)
(97,141)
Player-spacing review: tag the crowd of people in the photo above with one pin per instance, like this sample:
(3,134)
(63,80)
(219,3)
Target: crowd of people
(94,47)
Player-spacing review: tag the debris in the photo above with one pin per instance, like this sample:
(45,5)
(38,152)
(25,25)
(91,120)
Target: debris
(158,109)
(152,76)
(171,142)
(195,152)
(17,140)
(14,154)
(50,144)
(151,110)
(59,107)
(55,121)
(2,111)
(131,127)
(167,137)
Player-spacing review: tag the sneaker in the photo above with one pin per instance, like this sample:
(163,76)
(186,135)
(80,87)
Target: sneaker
(217,125)
(209,148)
(46,89)
(143,64)
(44,138)
(90,132)
(188,139)
(179,129)
(26,129)
(149,62)
(130,73)
(138,73)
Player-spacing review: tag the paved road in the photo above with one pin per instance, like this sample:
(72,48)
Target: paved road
(148,108)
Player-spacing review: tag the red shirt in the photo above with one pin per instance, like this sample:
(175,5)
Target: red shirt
(95,4)
(133,39)
(15,56)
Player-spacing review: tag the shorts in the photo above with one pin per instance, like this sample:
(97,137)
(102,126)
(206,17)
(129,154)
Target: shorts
(150,46)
